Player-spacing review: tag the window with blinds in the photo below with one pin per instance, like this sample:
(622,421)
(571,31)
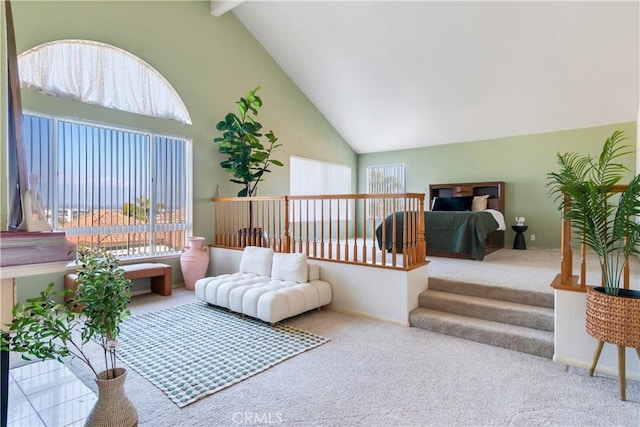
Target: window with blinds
(385,179)
(310,177)
(127,192)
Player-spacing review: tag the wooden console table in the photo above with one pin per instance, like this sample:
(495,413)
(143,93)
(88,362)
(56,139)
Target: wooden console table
(8,276)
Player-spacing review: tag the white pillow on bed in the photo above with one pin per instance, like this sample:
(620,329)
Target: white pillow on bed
(479,203)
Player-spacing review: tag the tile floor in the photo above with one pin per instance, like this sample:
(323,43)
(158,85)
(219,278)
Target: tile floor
(47,394)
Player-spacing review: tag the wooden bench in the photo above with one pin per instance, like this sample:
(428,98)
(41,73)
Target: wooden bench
(160,275)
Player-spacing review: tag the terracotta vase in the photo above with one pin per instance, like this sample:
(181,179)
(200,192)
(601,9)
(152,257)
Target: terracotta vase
(194,261)
(113,407)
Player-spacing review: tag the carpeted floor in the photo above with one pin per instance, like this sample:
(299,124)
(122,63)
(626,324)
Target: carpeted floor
(373,373)
(531,269)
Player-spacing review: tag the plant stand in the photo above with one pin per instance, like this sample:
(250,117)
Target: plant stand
(622,368)
(614,319)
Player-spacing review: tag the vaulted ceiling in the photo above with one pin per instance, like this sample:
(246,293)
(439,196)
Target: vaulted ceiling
(391,75)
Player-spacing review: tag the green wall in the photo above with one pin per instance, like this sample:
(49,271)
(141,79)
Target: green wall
(210,62)
(520,161)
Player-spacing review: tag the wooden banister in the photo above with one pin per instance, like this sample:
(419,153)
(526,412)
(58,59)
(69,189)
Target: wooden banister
(566,280)
(339,227)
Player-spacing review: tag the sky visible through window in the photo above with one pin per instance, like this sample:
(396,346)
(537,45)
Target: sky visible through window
(121,190)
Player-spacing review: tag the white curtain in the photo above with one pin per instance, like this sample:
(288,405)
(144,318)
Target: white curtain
(98,73)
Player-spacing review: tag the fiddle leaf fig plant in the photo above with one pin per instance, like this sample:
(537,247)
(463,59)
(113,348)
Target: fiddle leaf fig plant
(248,159)
(47,329)
(605,218)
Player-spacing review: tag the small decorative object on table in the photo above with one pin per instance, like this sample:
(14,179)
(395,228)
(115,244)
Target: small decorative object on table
(194,261)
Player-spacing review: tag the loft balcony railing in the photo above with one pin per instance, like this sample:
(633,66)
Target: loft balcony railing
(338,228)
(566,279)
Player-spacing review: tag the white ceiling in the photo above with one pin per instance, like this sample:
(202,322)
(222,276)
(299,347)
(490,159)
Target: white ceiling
(390,75)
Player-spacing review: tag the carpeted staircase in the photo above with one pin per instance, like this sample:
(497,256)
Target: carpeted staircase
(516,319)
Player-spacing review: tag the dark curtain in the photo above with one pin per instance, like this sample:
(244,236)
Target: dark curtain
(16,175)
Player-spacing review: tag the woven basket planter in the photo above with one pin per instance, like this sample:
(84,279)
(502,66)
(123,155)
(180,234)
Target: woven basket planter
(113,408)
(614,319)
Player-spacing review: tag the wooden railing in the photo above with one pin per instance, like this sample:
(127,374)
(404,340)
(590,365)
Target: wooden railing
(566,280)
(340,228)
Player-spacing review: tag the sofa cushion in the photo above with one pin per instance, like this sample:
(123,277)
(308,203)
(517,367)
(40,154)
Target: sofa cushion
(289,267)
(256,260)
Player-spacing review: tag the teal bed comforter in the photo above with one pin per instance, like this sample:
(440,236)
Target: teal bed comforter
(461,232)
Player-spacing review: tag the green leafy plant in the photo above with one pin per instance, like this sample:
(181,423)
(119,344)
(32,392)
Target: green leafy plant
(47,329)
(597,211)
(248,159)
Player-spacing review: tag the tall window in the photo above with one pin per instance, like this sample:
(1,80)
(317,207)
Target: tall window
(385,179)
(314,177)
(120,190)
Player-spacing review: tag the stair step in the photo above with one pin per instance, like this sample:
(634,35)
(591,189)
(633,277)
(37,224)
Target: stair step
(514,337)
(489,309)
(521,296)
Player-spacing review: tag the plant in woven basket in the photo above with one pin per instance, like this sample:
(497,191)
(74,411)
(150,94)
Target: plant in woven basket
(602,216)
(46,329)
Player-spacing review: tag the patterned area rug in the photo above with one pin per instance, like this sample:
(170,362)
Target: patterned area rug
(194,350)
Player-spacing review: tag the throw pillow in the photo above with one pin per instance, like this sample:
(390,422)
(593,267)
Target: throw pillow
(479,203)
(462,203)
(256,260)
(289,267)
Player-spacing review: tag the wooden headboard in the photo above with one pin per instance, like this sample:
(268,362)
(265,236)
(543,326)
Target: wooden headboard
(495,190)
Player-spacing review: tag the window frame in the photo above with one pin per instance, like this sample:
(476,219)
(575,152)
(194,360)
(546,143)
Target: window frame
(153,227)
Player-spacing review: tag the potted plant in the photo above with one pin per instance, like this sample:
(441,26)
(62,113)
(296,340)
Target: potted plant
(248,158)
(607,221)
(47,329)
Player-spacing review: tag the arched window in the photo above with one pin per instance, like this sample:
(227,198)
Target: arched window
(125,191)
(101,74)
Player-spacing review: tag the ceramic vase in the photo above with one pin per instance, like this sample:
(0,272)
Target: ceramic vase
(113,407)
(194,261)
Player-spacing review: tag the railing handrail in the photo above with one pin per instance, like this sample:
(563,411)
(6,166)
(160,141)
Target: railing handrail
(323,196)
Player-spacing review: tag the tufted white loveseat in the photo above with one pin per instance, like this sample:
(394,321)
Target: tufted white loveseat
(269,286)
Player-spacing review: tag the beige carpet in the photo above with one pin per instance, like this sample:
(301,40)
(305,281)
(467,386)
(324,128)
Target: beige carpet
(532,269)
(373,374)
(379,374)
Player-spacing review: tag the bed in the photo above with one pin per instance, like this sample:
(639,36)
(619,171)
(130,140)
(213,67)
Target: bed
(465,220)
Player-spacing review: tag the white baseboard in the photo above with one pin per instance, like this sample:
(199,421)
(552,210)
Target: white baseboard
(366,315)
(583,365)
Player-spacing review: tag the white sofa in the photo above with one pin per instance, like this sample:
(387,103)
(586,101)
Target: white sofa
(270,286)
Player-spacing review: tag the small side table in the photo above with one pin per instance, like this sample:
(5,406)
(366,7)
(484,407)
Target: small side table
(519,242)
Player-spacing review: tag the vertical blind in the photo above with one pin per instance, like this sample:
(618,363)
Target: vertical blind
(385,179)
(115,189)
(310,177)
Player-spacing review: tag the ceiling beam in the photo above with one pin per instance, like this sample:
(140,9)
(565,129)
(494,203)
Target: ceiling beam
(220,7)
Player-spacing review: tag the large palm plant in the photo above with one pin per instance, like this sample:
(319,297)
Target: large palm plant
(604,217)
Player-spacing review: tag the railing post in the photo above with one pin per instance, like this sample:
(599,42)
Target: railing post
(287,238)
(422,241)
(566,254)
